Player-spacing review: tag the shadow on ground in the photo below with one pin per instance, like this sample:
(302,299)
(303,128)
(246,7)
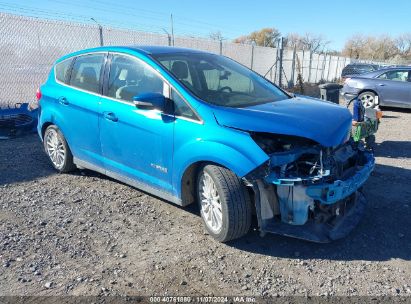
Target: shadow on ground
(23,159)
(393,149)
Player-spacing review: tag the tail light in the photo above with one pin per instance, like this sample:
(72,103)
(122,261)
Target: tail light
(35,104)
(38,95)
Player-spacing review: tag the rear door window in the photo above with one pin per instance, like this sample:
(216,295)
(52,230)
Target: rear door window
(395,75)
(62,69)
(86,72)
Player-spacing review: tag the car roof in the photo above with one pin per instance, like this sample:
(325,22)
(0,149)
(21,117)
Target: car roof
(143,49)
(155,49)
(378,72)
(361,64)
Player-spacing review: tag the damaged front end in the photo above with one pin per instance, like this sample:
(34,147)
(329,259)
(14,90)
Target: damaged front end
(309,191)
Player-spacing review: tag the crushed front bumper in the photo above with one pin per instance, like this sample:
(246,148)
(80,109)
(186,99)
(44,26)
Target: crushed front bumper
(292,212)
(338,190)
(322,232)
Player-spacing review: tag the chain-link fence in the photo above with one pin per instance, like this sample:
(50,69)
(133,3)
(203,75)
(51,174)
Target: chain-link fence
(29,46)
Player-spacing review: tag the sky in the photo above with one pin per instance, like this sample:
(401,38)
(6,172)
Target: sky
(335,20)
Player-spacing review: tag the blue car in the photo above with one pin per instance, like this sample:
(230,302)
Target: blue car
(189,126)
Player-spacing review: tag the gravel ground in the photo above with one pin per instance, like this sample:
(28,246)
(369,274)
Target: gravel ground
(85,234)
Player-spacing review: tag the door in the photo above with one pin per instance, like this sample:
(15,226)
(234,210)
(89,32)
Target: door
(136,143)
(394,88)
(79,105)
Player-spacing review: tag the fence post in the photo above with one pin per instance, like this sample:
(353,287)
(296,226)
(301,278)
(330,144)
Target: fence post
(316,68)
(280,76)
(310,66)
(302,64)
(221,46)
(293,67)
(276,64)
(329,67)
(323,67)
(336,68)
(100,29)
(252,56)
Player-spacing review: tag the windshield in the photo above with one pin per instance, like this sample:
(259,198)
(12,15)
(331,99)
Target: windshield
(220,80)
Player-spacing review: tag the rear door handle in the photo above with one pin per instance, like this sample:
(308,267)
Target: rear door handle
(381,84)
(110,116)
(63,101)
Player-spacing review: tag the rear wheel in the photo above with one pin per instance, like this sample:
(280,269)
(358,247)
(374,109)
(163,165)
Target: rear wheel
(225,205)
(367,99)
(57,150)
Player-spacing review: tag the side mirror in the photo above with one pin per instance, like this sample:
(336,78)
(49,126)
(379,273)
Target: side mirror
(150,101)
(292,95)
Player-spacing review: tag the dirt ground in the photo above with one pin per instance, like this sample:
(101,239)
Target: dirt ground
(85,234)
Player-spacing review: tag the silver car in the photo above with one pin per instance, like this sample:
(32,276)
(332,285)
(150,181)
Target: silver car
(385,87)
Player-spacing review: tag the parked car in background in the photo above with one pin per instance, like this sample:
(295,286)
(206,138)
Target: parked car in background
(385,87)
(190,126)
(358,68)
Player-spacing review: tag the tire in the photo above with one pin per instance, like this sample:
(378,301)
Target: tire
(368,99)
(62,158)
(228,198)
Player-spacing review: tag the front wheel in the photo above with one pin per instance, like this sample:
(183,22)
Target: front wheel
(225,204)
(58,150)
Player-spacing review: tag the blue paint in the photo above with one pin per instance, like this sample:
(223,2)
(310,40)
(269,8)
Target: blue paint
(156,148)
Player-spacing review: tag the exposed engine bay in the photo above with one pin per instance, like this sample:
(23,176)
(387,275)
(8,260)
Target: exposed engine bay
(306,184)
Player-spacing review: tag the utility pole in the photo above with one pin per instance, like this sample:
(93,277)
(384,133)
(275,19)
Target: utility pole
(172,28)
(100,29)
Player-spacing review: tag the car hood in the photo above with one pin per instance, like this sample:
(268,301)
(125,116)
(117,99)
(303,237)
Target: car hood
(321,121)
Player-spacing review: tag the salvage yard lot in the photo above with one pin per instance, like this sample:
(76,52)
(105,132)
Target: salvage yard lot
(85,234)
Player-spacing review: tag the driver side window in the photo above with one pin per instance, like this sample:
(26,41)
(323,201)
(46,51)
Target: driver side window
(227,80)
(130,77)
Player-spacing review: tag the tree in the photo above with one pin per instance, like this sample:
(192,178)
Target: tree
(381,47)
(268,37)
(308,41)
(403,44)
(354,46)
(216,36)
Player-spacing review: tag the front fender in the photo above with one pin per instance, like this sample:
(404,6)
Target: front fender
(215,152)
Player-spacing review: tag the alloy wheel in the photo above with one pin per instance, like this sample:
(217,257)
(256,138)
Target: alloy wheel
(211,209)
(55,149)
(367,100)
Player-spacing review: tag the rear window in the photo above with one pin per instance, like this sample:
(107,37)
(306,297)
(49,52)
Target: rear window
(62,69)
(86,72)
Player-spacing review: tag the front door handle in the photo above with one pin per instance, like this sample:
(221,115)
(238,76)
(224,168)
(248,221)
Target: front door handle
(381,84)
(110,116)
(63,101)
